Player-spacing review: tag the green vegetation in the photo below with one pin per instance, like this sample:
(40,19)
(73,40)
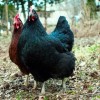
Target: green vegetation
(91,4)
(84,84)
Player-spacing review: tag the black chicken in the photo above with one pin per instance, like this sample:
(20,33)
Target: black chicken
(44,55)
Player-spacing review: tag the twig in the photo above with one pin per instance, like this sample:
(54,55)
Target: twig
(96,91)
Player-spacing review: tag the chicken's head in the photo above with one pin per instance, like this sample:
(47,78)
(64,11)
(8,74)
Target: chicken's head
(17,22)
(32,14)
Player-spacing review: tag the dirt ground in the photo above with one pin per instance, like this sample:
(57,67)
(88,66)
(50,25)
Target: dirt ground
(84,85)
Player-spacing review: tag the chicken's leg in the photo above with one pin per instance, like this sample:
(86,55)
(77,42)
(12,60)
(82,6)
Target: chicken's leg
(41,97)
(43,88)
(35,85)
(64,84)
(26,80)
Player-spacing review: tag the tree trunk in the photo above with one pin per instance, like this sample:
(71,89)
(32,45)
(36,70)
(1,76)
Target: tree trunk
(91,4)
(23,9)
(45,15)
(6,10)
(28,6)
(17,5)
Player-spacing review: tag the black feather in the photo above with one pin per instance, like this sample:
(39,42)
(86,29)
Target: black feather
(44,55)
(64,33)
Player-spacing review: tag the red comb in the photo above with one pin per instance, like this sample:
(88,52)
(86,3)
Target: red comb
(17,16)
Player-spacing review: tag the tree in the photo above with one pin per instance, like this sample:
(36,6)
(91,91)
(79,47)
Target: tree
(7,12)
(91,4)
(6,9)
(1,10)
(23,8)
(43,4)
(20,2)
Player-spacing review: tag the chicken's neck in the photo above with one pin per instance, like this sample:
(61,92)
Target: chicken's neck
(37,28)
(13,45)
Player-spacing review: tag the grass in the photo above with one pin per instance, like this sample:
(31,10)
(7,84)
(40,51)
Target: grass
(84,83)
(20,95)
